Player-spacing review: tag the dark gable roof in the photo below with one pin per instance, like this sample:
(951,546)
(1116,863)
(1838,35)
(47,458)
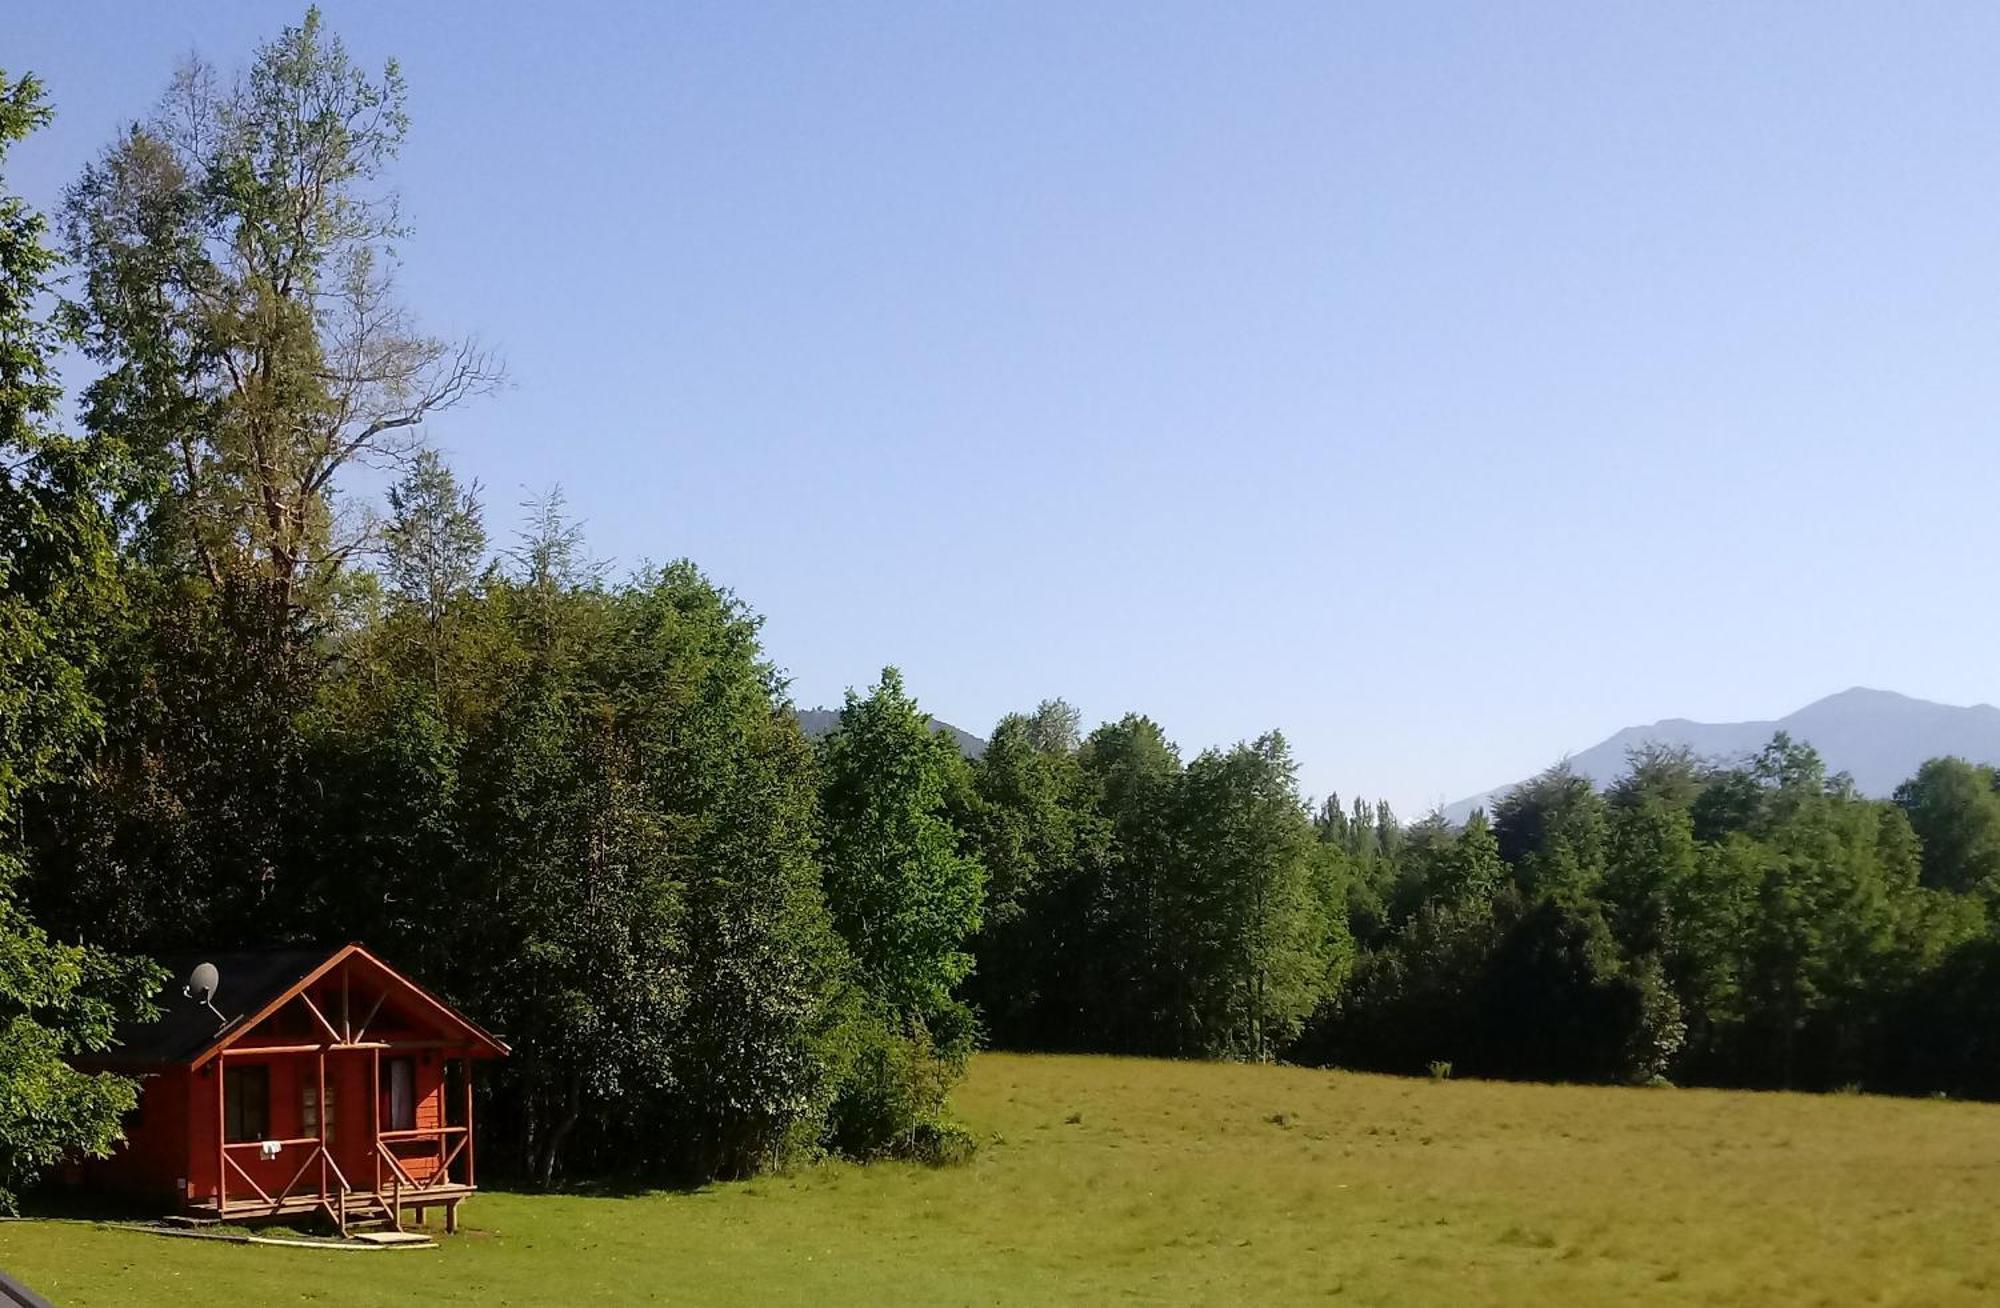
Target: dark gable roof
(185,1027)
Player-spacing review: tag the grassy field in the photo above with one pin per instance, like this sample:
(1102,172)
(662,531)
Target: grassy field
(1145,1181)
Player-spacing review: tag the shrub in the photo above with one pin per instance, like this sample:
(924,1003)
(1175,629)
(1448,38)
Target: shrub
(892,1097)
(942,1144)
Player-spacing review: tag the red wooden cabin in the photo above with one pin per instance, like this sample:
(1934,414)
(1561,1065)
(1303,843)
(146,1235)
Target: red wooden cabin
(320,1081)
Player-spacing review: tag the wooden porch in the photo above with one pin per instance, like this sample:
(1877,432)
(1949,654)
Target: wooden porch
(318,1185)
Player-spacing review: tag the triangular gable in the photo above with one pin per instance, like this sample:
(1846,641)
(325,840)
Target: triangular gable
(482,1043)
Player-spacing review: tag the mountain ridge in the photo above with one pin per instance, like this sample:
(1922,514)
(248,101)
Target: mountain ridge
(817,722)
(1878,737)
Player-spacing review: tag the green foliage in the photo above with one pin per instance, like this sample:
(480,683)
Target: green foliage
(905,894)
(895,1082)
(58,580)
(1551,831)
(640,813)
(1955,812)
(1439,864)
(1136,905)
(57,589)
(1247,932)
(1044,846)
(58,1001)
(187,829)
(433,547)
(1133,776)
(1508,989)
(1649,858)
(236,261)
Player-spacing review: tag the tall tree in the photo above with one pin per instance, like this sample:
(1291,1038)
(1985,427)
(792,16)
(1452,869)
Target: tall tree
(1133,775)
(906,896)
(237,260)
(637,824)
(1043,847)
(56,579)
(1245,910)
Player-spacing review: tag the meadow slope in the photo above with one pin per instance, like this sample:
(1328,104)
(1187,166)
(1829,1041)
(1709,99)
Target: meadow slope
(1155,1181)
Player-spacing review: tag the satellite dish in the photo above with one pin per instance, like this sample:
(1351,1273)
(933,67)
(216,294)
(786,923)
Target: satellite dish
(201,986)
(202,983)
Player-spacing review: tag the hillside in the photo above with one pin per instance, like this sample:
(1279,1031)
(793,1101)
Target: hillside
(817,722)
(1876,736)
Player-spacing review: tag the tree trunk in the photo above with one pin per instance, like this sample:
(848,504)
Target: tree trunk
(545,1165)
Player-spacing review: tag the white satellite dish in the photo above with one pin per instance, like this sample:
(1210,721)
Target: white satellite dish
(201,986)
(202,983)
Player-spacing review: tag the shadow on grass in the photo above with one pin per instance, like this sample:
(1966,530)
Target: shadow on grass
(636,1187)
(59,1202)
(79,1205)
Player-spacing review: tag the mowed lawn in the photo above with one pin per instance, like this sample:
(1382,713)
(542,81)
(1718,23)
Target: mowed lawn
(1118,1179)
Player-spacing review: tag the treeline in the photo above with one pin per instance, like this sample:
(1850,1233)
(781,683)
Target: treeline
(1758,924)
(240,709)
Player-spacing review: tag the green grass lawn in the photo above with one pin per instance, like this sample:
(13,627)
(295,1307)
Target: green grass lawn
(1106,1179)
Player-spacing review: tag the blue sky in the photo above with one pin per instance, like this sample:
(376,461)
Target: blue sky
(1446,385)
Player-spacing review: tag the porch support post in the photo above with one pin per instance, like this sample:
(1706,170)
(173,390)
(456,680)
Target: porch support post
(451,1214)
(320,1113)
(221,1137)
(375,1112)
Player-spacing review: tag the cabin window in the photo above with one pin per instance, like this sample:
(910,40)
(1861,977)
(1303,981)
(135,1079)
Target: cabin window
(309,1111)
(246,1103)
(402,1094)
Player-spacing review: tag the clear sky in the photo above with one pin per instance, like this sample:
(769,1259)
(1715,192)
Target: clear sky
(1446,385)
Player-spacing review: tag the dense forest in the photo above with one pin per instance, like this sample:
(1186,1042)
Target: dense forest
(240,706)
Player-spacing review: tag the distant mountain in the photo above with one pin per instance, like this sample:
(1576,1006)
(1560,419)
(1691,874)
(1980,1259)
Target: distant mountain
(1876,736)
(817,722)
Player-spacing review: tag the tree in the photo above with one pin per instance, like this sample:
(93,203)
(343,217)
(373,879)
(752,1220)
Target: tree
(1649,860)
(1243,907)
(237,266)
(1043,848)
(1558,1003)
(435,539)
(1443,865)
(637,827)
(56,578)
(1133,776)
(1551,831)
(1955,811)
(905,895)
(754,1061)
(189,827)
(1669,775)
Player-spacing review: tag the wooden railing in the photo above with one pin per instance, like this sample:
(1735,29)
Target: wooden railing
(441,1134)
(317,1153)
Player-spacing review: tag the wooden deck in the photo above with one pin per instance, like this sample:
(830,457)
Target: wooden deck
(345,1208)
